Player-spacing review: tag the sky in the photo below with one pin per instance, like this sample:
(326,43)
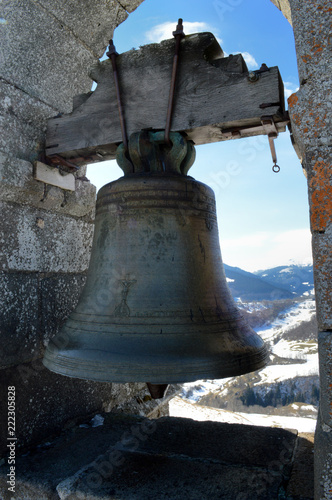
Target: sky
(263,217)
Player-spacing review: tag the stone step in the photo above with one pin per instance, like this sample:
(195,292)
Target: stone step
(169,458)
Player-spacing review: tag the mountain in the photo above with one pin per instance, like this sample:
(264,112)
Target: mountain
(294,278)
(283,282)
(249,287)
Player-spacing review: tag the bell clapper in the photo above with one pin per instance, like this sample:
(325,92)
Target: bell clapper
(157,391)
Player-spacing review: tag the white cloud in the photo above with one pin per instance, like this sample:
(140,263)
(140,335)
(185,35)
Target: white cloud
(263,250)
(164,31)
(250,60)
(290,88)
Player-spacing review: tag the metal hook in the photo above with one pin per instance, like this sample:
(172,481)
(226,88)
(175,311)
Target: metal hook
(275,167)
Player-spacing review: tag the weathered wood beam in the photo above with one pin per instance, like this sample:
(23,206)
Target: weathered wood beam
(216,99)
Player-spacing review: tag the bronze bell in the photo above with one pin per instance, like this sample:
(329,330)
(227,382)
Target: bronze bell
(156,306)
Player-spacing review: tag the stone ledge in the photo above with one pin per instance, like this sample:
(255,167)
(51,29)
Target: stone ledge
(131,457)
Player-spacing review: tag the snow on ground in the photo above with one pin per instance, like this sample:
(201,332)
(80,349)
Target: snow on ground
(291,318)
(277,373)
(294,349)
(181,408)
(304,355)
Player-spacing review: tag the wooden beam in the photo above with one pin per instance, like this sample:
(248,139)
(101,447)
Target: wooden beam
(214,95)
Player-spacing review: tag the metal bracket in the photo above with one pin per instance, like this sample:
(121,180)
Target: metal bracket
(58,161)
(271,131)
(253,130)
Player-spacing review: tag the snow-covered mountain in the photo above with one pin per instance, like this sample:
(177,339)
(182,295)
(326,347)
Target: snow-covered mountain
(296,279)
(284,393)
(281,282)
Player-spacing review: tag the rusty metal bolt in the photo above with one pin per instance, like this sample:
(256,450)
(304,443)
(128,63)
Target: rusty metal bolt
(252,76)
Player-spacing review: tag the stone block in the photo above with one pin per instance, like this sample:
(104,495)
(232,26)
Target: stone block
(130,5)
(270,447)
(16,181)
(17,184)
(311,23)
(42,56)
(129,457)
(19,321)
(79,203)
(23,121)
(52,176)
(318,164)
(322,258)
(93,23)
(325,371)
(323,461)
(59,295)
(32,309)
(46,401)
(37,240)
(155,476)
(301,483)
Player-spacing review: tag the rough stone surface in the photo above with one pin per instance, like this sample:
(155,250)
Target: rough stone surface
(17,184)
(23,120)
(47,403)
(19,309)
(323,461)
(45,58)
(318,168)
(310,107)
(59,294)
(41,56)
(321,245)
(310,113)
(135,458)
(312,25)
(301,483)
(325,371)
(37,240)
(33,306)
(94,27)
(131,5)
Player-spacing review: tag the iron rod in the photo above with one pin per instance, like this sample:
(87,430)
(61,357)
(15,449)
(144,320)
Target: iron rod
(112,54)
(178,34)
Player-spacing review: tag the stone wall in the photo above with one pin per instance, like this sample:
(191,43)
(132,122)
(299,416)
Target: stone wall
(46,49)
(310,112)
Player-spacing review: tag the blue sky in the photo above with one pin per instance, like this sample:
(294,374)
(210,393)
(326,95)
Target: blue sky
(262,216)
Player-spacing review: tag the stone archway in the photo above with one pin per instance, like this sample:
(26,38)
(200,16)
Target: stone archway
(45,49)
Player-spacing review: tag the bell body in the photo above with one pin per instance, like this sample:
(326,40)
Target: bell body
(156,306)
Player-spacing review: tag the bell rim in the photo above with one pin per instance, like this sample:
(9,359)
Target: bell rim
(170,372)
